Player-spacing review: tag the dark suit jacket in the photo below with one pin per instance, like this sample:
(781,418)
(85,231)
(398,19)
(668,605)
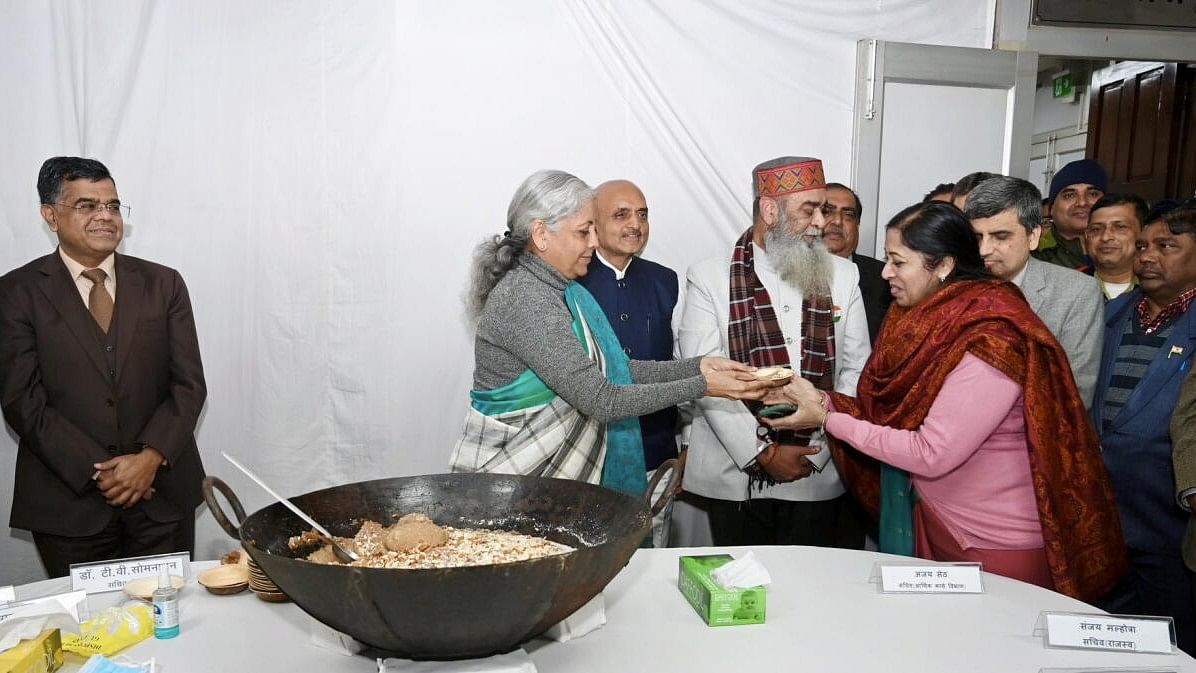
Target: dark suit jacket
(76,398)
(1137,443)
(1183,457)
(874,290)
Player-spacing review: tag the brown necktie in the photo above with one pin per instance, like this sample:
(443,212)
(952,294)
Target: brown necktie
(99,302)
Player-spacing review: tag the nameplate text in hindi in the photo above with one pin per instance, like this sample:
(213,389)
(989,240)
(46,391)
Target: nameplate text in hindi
(1108,632)
(931,579)
(113,575)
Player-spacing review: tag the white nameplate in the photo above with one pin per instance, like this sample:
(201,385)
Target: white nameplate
(962,578)
(8,594)
(112,575)
(1108,632)
(69,602)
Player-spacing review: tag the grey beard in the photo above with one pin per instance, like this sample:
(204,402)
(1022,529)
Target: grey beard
(806,266)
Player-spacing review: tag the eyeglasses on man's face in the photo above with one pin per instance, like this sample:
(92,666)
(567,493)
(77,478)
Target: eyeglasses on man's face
(89,208)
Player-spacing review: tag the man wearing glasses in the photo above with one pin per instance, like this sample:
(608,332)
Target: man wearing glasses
(100,378)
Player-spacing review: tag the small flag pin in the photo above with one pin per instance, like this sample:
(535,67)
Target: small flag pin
(1176,350)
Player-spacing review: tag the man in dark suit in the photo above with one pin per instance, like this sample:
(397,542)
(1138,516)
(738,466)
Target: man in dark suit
(1183,458)
(841,236)
(100,378)
(638,298)
(1150,337)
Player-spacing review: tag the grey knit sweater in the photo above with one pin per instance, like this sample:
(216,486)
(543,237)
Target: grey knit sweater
(526,325)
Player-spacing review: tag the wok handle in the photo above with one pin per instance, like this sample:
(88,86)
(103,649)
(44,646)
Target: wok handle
(671,468)
(209,496)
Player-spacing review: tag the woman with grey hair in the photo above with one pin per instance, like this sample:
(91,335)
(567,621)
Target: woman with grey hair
(554,394)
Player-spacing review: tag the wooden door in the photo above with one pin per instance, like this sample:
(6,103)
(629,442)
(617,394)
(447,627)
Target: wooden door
(1183,172)
(1131,126)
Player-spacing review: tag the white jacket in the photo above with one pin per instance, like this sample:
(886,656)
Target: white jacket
(722,433)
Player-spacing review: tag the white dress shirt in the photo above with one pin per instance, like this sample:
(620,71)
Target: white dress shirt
(619,273)
(83,284)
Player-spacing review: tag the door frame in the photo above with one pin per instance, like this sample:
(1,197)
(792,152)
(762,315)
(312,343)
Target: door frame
(879,62)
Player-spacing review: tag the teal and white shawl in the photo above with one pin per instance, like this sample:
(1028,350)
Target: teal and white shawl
(526,428)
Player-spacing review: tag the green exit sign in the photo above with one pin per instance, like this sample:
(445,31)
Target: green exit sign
(1063,86)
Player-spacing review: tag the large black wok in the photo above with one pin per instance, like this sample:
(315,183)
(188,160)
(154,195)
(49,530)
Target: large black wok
(451,612)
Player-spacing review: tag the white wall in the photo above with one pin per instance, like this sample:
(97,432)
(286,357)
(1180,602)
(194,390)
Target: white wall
(1060,127)
(320,174)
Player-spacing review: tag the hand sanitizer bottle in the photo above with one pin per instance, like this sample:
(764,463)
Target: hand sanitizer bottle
(166,607)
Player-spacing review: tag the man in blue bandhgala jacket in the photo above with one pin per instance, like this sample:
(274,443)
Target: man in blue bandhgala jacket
(638,297)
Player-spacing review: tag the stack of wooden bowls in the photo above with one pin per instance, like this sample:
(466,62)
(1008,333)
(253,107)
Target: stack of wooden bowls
(262,586)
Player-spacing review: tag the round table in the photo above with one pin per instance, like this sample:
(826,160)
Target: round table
(824,614)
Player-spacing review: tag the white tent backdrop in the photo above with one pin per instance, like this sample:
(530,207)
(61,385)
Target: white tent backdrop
(320,171)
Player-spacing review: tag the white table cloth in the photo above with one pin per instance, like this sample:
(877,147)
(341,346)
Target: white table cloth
(823,615)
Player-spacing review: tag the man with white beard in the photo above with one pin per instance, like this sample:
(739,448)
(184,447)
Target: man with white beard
(779,299)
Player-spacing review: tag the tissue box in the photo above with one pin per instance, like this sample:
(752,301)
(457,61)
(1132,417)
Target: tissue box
(716,605)
(42,654)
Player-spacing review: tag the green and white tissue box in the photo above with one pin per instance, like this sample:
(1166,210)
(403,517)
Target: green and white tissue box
(715,605)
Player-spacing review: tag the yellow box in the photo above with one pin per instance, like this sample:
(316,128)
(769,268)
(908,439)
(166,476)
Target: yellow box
(42,654)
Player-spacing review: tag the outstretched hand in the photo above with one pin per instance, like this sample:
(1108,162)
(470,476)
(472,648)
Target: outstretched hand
(807,416)
(798,391)
(811,406)
(733,380)
(715,363)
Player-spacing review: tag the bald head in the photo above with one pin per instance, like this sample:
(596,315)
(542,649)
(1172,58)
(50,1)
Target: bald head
(622,221)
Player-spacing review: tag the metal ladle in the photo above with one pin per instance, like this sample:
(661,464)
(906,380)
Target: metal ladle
(342,554)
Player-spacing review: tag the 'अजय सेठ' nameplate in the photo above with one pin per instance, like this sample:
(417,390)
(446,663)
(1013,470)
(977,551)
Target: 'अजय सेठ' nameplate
(945,578)
(113,575)
(1121,633)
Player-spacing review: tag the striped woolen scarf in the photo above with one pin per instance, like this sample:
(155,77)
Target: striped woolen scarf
(754,336)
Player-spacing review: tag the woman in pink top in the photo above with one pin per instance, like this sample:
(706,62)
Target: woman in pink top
(968,406)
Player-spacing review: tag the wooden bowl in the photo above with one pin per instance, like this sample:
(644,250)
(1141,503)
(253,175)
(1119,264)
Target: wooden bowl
(143,587)
(225,579)
(272,596)
(774,373)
